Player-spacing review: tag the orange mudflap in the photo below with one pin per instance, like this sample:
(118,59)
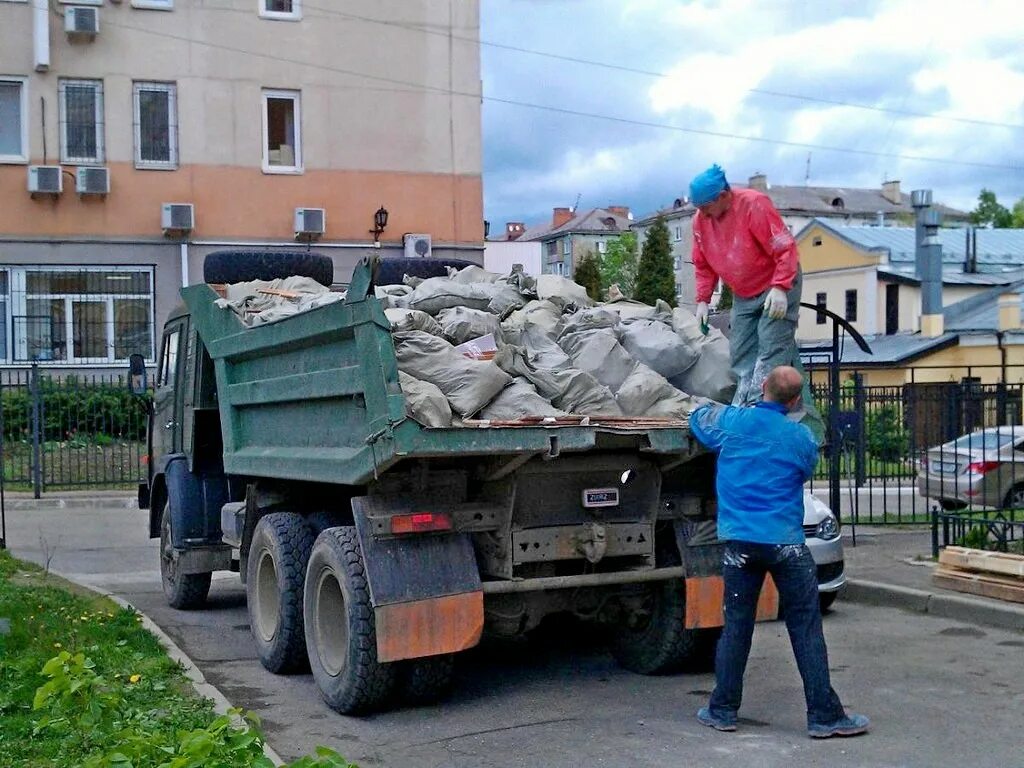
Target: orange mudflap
(429,627)
(705,597)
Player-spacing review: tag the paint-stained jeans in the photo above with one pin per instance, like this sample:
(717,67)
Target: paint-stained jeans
(792,567)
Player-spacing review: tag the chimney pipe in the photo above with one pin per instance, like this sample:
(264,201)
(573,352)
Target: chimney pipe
(560,216)
(928,262)
(758,181)
(891,192)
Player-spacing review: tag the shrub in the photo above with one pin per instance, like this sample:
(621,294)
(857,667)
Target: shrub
(886,437)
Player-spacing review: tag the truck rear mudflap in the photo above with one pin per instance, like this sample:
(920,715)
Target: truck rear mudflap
(424,585)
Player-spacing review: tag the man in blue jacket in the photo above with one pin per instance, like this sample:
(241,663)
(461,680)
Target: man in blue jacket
(764,459)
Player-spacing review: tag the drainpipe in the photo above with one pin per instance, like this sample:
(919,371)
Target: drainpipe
(41,35)
(183,247)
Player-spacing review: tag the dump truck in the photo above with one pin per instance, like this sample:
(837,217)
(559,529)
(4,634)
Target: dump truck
(373,550)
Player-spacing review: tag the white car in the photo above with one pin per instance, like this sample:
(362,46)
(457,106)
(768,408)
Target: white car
(821,529)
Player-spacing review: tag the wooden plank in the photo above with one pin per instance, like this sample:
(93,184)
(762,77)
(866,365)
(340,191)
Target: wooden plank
(283,293)
(978,584)
(1003,563)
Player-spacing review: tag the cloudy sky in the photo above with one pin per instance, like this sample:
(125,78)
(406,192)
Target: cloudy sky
(930,93)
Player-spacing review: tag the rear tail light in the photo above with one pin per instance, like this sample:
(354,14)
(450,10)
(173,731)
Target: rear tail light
(982,467)
(421,522)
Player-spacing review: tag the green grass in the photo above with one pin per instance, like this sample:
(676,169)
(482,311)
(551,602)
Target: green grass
(99,462)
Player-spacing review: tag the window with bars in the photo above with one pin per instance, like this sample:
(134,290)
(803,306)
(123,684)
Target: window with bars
(156,125)
(76,316)
(13,120)
(820,301)
(81,121)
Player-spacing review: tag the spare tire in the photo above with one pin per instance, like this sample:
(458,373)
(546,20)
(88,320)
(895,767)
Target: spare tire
(243,266)
(391,271)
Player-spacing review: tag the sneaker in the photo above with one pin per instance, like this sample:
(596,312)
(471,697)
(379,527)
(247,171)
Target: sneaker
(848,725)
(706,718)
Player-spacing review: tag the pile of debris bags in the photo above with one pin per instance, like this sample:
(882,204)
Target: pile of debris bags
(482,346)
(476,345)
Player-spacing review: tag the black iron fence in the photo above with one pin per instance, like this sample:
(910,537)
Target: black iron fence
(904,450)
(68,431)
(998,531)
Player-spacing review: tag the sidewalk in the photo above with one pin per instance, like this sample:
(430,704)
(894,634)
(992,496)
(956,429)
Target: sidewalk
(890,566)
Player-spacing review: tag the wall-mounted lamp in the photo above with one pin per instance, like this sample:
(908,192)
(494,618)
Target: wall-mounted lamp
(380,221)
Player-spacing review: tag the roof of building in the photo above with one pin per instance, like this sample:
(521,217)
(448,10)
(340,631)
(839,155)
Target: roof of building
(678,210)
(897,348)
(595,221)
(980,313)
(847,200)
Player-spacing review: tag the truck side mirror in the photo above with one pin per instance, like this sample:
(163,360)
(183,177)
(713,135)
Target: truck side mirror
(137,380)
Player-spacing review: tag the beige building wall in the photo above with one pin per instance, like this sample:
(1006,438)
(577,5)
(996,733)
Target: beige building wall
(389,115)
(835,284)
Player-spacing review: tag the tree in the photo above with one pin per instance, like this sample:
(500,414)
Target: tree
(990,212)
(656,279)
(619,264)
(1018,214)
(588,274)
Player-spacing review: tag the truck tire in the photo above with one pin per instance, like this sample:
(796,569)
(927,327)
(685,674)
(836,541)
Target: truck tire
(424,681)
(391,271)
(341,636)
(242,266)
(659,643)
(185,591)
(275,574)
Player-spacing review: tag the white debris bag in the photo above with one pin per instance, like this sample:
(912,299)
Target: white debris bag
(437,293)
(468,384)
(657,346)
(472,274)
(591,320)
(412,320)
(562,291)
(518,400)
(259,302)
(425,402)
(462,324)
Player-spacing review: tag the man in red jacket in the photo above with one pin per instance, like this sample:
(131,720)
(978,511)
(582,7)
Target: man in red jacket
(739,237)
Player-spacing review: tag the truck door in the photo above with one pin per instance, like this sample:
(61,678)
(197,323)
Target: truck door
(166,431)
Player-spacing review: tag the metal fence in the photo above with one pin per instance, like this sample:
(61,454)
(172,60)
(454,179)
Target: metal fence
(68,431)
(904,451)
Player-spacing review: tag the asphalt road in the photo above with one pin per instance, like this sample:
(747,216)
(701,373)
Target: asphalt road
(939,693)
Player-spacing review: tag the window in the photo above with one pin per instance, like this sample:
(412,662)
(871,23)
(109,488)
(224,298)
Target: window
(816,242)
(679,289)
(552,248)
(63,315)
(13,120)
(602,246)
(892,309)
(156,125)
(169,359)
(820,300)
(282,134)
(851,304)
(566,247)
(678,233)
(153,5)
(81,121)
(286,10)
(677,262)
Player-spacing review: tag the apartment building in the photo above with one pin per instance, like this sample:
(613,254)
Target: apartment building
(136,136)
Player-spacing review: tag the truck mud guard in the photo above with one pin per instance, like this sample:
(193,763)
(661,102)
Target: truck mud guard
(705,602)
(424,587)
(195,502)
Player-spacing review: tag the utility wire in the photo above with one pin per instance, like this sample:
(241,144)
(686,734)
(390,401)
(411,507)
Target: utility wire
(441,91)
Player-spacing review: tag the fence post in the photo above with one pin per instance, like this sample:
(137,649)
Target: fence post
(860,409)
(935,531)
(37,427)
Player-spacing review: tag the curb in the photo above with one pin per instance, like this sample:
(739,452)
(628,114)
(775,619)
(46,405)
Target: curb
(205,689)
(955,607)
(86,502)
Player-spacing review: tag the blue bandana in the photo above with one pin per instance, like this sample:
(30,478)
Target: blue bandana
(707,186)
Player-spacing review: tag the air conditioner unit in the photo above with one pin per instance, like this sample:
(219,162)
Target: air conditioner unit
(310,223)
(177,217)
(82,21)
(417,246)
(45,179)
(92,181)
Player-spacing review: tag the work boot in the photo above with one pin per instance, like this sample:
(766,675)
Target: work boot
(848,725)
(711,721)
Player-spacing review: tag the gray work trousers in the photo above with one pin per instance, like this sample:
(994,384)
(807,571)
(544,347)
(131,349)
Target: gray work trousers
(759,344)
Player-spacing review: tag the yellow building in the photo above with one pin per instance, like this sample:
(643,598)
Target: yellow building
(867,275)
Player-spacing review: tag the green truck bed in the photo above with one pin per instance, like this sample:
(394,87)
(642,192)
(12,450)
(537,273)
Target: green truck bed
(316,397)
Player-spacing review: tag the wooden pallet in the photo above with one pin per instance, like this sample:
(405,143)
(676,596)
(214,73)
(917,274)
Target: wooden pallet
(999,575)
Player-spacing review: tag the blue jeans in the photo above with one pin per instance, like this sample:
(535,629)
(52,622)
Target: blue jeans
(795,575)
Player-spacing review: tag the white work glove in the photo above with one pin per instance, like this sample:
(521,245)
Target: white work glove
(702,316)
(776,303)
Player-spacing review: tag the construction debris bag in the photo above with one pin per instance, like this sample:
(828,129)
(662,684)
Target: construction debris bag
(472,274)
(599,353)
(628,309)
(647,393)
(505,300)
(540,313)
(437,293)
(425,402)
(518,400)
(568,389)
(468,384)
(522,282)
(711,376)
(460,324)
(412,320)
(259,302)
(591,320)
(657,346)
(562,291)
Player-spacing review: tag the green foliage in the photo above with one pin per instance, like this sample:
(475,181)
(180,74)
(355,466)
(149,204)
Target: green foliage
(725,298)
(619,264)
(886,437)
(1017,215)
(588,274)
(990,212)
(655,276)
(325,758)
(71,408)
(975,538)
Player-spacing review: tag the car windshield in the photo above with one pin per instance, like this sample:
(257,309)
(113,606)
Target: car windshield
(983,441)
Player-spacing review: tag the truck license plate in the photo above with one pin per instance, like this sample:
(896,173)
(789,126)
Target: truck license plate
(601,497)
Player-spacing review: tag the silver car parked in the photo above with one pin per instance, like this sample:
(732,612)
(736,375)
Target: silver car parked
(984,468)
(821,530)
